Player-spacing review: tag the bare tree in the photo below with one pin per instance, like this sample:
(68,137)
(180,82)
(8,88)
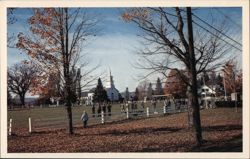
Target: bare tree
(10,20)
(56,43)
(167,48)
(21,78)
(143,89)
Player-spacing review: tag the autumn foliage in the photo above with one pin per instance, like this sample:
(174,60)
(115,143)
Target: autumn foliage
(55,44)
(174,84)
(232,77)
(45,46)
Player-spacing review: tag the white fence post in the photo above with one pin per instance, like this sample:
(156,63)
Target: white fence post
(164,109)
(102,117)
(10,127)
(29,124)
(127,113)
(147,111)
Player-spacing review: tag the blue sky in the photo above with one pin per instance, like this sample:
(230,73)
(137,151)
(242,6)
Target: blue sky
(116,44)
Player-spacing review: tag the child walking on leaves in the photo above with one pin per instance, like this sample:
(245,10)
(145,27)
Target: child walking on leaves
(84,118)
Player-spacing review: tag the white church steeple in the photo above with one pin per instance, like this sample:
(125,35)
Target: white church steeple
(112,92)
(110,82)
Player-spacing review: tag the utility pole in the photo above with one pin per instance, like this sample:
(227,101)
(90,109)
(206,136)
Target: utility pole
(192,72)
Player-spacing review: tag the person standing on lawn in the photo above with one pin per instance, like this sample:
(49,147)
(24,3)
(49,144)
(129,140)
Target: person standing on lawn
(93,110)
(154,104)
(84,118)
(109,108)
(99,110)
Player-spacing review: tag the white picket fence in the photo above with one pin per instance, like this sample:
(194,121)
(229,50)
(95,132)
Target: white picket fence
(60,122)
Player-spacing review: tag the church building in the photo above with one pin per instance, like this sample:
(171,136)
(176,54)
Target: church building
(112,92)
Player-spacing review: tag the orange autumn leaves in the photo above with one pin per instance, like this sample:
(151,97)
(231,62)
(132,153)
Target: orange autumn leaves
(174,84)
(232,77)
(44,45)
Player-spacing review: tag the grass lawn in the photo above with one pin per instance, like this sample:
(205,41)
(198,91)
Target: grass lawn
(57,116)
(222,132)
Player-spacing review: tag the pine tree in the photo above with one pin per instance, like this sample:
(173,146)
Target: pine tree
(158,89)
(100,94)
(149,91)
(136,97)
(127,94)
(219,80)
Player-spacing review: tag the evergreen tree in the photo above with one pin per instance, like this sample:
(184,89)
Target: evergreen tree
(158,89)
(100,94)
(149,91)
(127,94)
(219,80)
(136,97)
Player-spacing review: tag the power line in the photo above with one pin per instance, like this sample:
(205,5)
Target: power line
(209,31)
(216,29)
(216,36)
(227,17)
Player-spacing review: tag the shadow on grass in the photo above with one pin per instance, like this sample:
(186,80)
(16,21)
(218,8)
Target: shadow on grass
(230,145)
(143,131)
(152,130)
(222,127)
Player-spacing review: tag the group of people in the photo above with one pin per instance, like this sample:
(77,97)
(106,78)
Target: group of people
(105,107)
(130,105)
(133,105)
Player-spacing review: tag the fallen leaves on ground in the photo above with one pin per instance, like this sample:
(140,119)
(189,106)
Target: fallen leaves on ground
(222,131)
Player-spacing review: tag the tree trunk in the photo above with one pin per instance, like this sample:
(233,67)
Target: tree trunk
(69,111)
(194,110)
(68,81)
(22,99)
(193,96)
(68,104)
(190,108)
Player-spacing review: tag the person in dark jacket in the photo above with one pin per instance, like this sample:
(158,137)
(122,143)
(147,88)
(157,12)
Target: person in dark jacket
(99,110)
(93,110)
(109,108)
(85,118)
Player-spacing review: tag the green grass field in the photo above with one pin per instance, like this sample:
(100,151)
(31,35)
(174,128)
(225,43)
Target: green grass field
(57,116)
